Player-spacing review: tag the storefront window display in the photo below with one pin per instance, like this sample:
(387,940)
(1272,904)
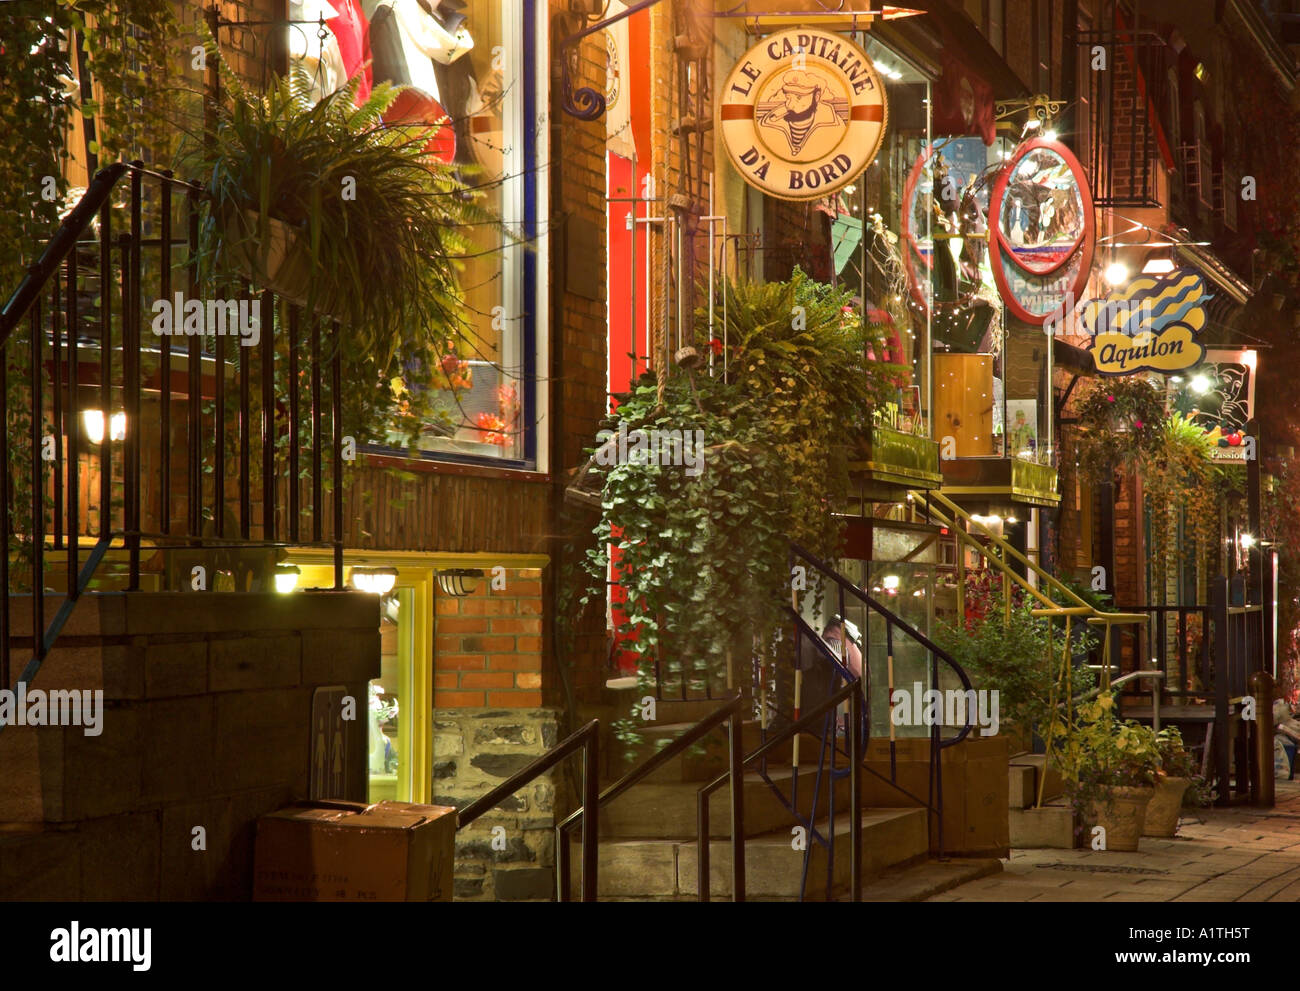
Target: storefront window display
(912,234)
(866,236)
(462,84)
(388,727)
(946,226)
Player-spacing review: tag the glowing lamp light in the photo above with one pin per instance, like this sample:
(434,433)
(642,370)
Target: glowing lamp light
(1116,273)
(374,581)
(1247,541)
(1158,265)
(890,582)
(286,578)
(1200,383)
(92,422)
(1051,135)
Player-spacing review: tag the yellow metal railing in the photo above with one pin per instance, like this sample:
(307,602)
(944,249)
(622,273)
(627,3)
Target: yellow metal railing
(998,551)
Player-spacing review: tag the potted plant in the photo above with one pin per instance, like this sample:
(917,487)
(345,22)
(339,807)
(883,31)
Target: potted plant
(338,211)
(1111,769)
(1177,773)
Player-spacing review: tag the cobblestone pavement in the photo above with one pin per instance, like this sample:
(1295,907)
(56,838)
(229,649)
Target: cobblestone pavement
(1219,855)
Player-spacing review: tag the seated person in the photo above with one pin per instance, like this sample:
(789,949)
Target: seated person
(1286,735)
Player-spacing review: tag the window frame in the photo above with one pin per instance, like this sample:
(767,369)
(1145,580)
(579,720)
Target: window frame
(525,30)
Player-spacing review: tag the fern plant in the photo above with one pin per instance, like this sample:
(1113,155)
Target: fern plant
(382,224)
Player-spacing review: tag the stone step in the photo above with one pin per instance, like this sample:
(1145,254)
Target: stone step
(917,882)
(1051,827)
(1053,788)
(629,702)
(669,810)
(667,870)
(1020,786)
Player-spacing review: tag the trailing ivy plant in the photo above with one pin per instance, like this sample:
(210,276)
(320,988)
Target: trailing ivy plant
(703,555)
(798,354)
(37,101)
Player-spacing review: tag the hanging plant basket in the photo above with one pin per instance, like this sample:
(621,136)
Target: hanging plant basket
(280,261)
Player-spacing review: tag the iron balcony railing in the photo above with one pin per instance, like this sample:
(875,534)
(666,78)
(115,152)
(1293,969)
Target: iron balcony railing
(172,478)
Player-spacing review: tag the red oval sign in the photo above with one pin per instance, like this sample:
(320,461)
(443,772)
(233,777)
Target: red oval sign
(1042,230)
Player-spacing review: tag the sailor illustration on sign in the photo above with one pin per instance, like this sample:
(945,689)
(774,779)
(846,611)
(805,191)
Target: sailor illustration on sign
(805,106)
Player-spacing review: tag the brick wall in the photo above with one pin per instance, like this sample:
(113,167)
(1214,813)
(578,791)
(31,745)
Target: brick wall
(579,344)
(488,645)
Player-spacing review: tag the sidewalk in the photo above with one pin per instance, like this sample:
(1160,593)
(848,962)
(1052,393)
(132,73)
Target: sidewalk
(1219,855)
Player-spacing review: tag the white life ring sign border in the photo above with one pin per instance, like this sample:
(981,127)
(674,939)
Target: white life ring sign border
(868,111)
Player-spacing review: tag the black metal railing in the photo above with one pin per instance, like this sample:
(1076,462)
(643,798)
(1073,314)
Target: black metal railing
(170,474)
(895,629)
(586,739)
(1225,644)
(729,715)
(1178,641)
(847,694)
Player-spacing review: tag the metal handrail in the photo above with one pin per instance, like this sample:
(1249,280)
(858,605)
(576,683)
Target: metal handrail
(727,714)
(893,619)
(850,693)
(934,802)
(588,739)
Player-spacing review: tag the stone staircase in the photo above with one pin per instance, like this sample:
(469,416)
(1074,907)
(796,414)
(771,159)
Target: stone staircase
(648,849)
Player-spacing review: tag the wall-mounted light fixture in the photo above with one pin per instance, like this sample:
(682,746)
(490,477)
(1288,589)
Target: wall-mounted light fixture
(286,578)
(456,581)
(92,422)
(375,581)
(1159,262)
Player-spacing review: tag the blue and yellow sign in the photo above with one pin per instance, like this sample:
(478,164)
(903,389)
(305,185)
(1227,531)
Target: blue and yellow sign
(1149,325)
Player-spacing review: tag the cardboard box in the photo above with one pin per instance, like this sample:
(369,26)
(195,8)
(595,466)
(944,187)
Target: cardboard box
(352,852)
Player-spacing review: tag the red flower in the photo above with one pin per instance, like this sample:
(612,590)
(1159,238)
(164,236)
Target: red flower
(716,344)
(491,425)
(1110,399)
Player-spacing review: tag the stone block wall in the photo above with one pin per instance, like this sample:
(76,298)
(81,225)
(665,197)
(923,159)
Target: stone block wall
(509,853)
(206,722)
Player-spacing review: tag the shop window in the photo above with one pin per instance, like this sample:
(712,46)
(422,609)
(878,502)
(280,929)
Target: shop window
(388,716)
(869,246)
(470,68)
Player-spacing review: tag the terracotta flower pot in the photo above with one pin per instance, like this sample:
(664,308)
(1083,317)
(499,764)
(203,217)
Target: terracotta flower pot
(1122,813)
(1162,813)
